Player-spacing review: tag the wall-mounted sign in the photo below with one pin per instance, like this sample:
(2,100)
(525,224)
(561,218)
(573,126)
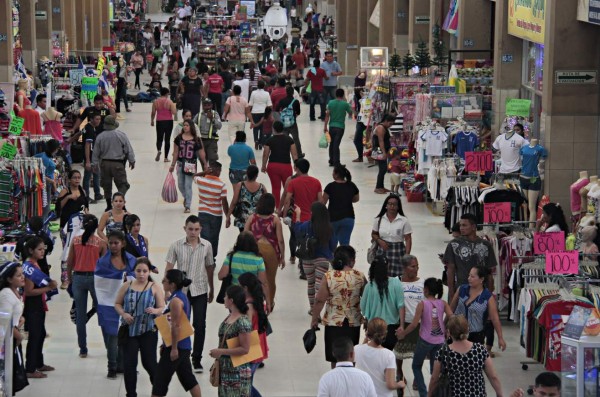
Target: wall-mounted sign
(41,15)
(3,37)
(589,11)
(507,58)
(469,43)
(527,19)
(576,77)
(422,20)
(56,10)
(401,14)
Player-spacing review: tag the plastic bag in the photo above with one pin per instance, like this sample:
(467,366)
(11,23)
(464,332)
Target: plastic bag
(323,141)
(169,190)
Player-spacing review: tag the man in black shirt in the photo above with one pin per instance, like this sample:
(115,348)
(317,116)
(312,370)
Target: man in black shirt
(90,131)
(99,108)
(295,106)
(228,78)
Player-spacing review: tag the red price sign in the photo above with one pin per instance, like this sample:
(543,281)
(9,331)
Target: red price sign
(479,161)
(562,262)
(496,213)
(548,242)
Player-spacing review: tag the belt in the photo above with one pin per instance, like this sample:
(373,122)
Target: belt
(84,273)
(114,160)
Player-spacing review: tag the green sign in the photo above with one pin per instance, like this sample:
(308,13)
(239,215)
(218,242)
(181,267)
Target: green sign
(518,107)
(8,151)
(16,125)
(89,87)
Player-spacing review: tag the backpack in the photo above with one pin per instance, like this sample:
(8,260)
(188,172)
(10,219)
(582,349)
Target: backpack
(287,116)
(306,245)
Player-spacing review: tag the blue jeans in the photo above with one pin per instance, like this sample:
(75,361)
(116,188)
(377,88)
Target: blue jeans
(254,392)
(81,286)
(314,98)
(343,230)
(334,147)
(329,92)
(111,342)
(211,227)
(185,184)
(87,175)
(417,365)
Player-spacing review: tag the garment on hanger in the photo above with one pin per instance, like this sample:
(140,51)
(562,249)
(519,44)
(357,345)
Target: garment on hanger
(461,200)
(465,141)
(435,139)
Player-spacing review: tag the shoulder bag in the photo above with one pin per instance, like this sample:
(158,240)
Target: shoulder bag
(372,251)
(306,245)
(123,334)
(215,375)
(226,283)
(443,386)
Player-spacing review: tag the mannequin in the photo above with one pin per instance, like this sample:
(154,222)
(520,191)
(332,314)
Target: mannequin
(533,156)
(509,145)
(21,99)
(583,192)
(575,192)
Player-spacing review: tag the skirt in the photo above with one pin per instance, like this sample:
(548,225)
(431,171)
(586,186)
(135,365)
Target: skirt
(333,333)
(390,339)
(394,256)
(406,347)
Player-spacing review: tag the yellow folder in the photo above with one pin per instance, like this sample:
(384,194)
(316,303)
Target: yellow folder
(163,323)
(254,353)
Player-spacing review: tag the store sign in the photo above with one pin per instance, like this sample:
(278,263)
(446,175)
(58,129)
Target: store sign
(469,43)
(16,125)
(576,77)
(479,161)
(577,322)
(527,19)
(75,76)
(250,7)
(3,37)
(589,11)
(422,20)
(245,30)
(89,87)
(518,107)
(562,262)
(496,213)
(56,10)
(507,58)
(548,242)
(442,89)
(41,15)
(8,151)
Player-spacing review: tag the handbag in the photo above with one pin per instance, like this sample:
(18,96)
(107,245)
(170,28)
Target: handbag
(306,245)
(123,334)
(189,168)
(372,251)
(443,386)
(19,380)
(215,375)
(226,283)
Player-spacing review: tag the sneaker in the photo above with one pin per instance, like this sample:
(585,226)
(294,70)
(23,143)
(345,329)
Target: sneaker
(198,367)
(99,197)
(112,374)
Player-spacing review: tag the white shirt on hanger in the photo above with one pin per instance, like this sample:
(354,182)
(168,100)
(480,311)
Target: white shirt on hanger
(510,152)
(435,141)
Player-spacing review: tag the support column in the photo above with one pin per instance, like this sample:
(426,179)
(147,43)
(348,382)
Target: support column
(417,32)
(90,18)
(71,30)
(82,34)
(570,120)
(105,23)
(58,17)
(341,9)
(362,22)
(386,24)
(401,12)
(6,43)
(475,36)
(437,14)
(507,75)
(28,33)
(44,29)
(351,62)
(372,30)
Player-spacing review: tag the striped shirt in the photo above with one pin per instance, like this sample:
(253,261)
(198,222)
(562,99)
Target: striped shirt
(244,262)
(257,76)
(211,191)
(192,261)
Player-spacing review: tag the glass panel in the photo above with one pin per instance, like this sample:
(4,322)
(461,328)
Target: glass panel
(591,364)
(534,66)
(569,370)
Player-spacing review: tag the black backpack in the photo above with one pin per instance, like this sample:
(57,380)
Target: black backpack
(306,245)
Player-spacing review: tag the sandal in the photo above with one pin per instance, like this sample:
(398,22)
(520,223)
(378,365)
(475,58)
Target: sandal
(157,156)
(36,375)
(45,368)
(166,160)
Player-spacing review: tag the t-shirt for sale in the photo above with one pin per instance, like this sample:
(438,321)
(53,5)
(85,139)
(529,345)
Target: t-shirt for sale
(215,84)
(465,254)
(510,151)
(340,200)
(435,141)
(338,109)
(465,142)
(374,361)
(531,158)
(188,149)
(305,190)
(280,145)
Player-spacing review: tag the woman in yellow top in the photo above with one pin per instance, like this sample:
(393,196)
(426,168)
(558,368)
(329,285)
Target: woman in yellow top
(341,289)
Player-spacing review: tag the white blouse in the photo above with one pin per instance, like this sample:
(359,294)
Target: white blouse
(394,231)
(11,304)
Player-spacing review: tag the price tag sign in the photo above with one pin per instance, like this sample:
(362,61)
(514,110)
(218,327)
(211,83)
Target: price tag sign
(479,161)
(548,242)
(562,262)
(8,151)
(16,125)
(496,213)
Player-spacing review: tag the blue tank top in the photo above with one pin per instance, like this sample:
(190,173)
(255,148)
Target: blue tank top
(184,344)
(142,321)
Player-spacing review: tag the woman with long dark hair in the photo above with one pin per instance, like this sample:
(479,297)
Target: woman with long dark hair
(340,293)
(383,297)
(164,110)
(186,152)
(112,220)
(393,234)
(234,381)
(84,252)
(138,302)
(245,258)
(257,314)
(381,143)
(137,245)
(320,229)
(554,218)
(341,194)
(176,358)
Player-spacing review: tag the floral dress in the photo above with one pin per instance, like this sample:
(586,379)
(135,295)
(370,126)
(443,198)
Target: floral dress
(345,288)
(235,381)
(247,202)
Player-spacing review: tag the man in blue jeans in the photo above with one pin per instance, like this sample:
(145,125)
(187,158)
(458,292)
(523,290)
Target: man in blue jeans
(335,120)
(91,130)
(333,70)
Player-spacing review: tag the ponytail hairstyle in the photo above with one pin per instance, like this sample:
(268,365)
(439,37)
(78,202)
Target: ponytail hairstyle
(128,221)
(377,330)
(178,278)
(435,287)
(238,297)
(254,287)
(342,172)
(378,274)
(557,216)
(32,244)
(343,256)
(90,224)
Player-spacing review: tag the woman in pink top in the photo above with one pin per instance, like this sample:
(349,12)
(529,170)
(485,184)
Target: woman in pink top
(236,112)
(432,334)
(164,110)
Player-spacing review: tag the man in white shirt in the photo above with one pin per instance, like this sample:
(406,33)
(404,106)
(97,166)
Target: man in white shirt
(40,107)
(243,83)
(259,101)
(345,380)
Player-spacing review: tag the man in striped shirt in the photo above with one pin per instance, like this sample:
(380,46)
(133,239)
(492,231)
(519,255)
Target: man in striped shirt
(212,195)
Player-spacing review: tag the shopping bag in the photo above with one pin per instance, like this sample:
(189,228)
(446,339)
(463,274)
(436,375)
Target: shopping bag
(169,191)
(323,142)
